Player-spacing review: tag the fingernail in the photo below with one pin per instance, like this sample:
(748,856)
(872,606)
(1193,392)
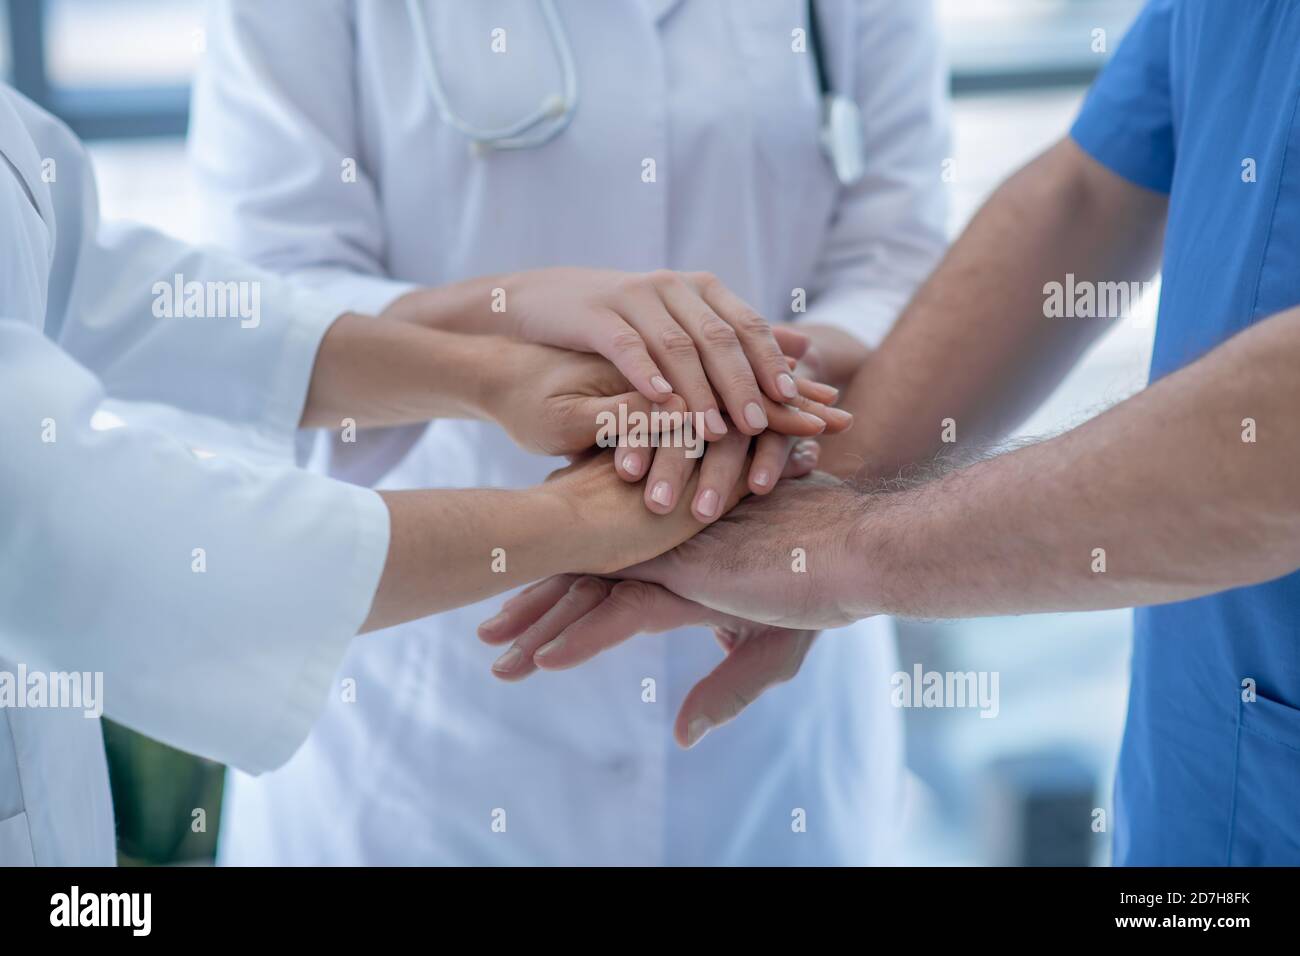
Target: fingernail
(632,465)
(660,385)
(713,418)
(546,649)
(814,420)
(755,416)
(491,623)
(762,478)
(707,503)
(696,730)
(662,493)
(509,659)
(785,384)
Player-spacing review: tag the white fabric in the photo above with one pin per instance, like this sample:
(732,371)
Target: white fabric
(98,527)
(291,94)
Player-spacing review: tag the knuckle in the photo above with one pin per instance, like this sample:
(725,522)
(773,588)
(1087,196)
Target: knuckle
(714,332)
(751,323)
(626,340)
(705,281)
(677,343)
(634,284)
(663,278)
(631,594)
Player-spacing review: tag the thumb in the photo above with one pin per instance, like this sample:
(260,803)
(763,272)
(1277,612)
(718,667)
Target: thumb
(602,417)
(765,657)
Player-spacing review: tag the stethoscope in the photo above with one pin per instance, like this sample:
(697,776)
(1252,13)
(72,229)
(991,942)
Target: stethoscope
(841,121)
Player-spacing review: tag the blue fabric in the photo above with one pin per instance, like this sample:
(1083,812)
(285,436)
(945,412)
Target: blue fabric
(1197,88)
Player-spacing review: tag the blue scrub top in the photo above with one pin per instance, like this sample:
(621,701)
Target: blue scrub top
(1197,90)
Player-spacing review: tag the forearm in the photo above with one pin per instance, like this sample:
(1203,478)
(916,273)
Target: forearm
(379,371)
(974,345)
(450,548)
(1162,488)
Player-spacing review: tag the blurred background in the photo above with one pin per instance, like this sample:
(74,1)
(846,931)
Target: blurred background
(1021,788)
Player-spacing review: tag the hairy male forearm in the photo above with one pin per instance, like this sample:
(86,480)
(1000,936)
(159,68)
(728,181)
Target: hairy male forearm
(1183,490)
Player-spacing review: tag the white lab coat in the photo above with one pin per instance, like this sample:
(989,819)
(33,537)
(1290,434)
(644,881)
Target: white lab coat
(98,528)
(578,767)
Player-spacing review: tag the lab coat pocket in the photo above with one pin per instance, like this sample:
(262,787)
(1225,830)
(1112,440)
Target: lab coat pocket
(16,842)
(1265,824)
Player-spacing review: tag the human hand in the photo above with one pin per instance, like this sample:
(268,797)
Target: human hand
(552,401)
(606,528)
(665,331)
(789,558)
(568,619)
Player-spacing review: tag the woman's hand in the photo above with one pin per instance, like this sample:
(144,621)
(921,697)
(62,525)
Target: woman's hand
(608,529)
(554,402)
(666,332)
(566,620)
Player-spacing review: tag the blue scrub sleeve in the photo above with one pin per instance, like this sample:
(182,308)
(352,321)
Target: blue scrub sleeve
(1127,121)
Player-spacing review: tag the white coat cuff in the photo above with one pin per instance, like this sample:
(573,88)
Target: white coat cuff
(329,625)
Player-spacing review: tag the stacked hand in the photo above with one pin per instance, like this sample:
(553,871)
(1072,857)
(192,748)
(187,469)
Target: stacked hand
(576,347)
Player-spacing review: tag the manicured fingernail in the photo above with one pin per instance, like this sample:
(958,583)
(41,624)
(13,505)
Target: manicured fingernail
(508,660)
(755,416)
(785,383)
(813,420)
(713,418)
(660,385)
(632,465)
(707,503)
(662,493)
(696,730)
(546,649)
(762,478)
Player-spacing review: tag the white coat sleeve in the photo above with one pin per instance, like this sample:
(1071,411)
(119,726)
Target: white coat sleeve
(161,321)
(277,151)
(216,598)
(889,230)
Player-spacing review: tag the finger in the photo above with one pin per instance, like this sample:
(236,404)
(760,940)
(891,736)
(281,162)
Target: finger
(523,609)
(803,460)
(837,419)
(793,342)
(757,339)
(723,464)
(771,450)
(667,479)
(630,608)
(582,596)
(792,421)
(818,391)
(756,664)
(722,354)
(673,348)
(630,463)
(616,417)
(626,349)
